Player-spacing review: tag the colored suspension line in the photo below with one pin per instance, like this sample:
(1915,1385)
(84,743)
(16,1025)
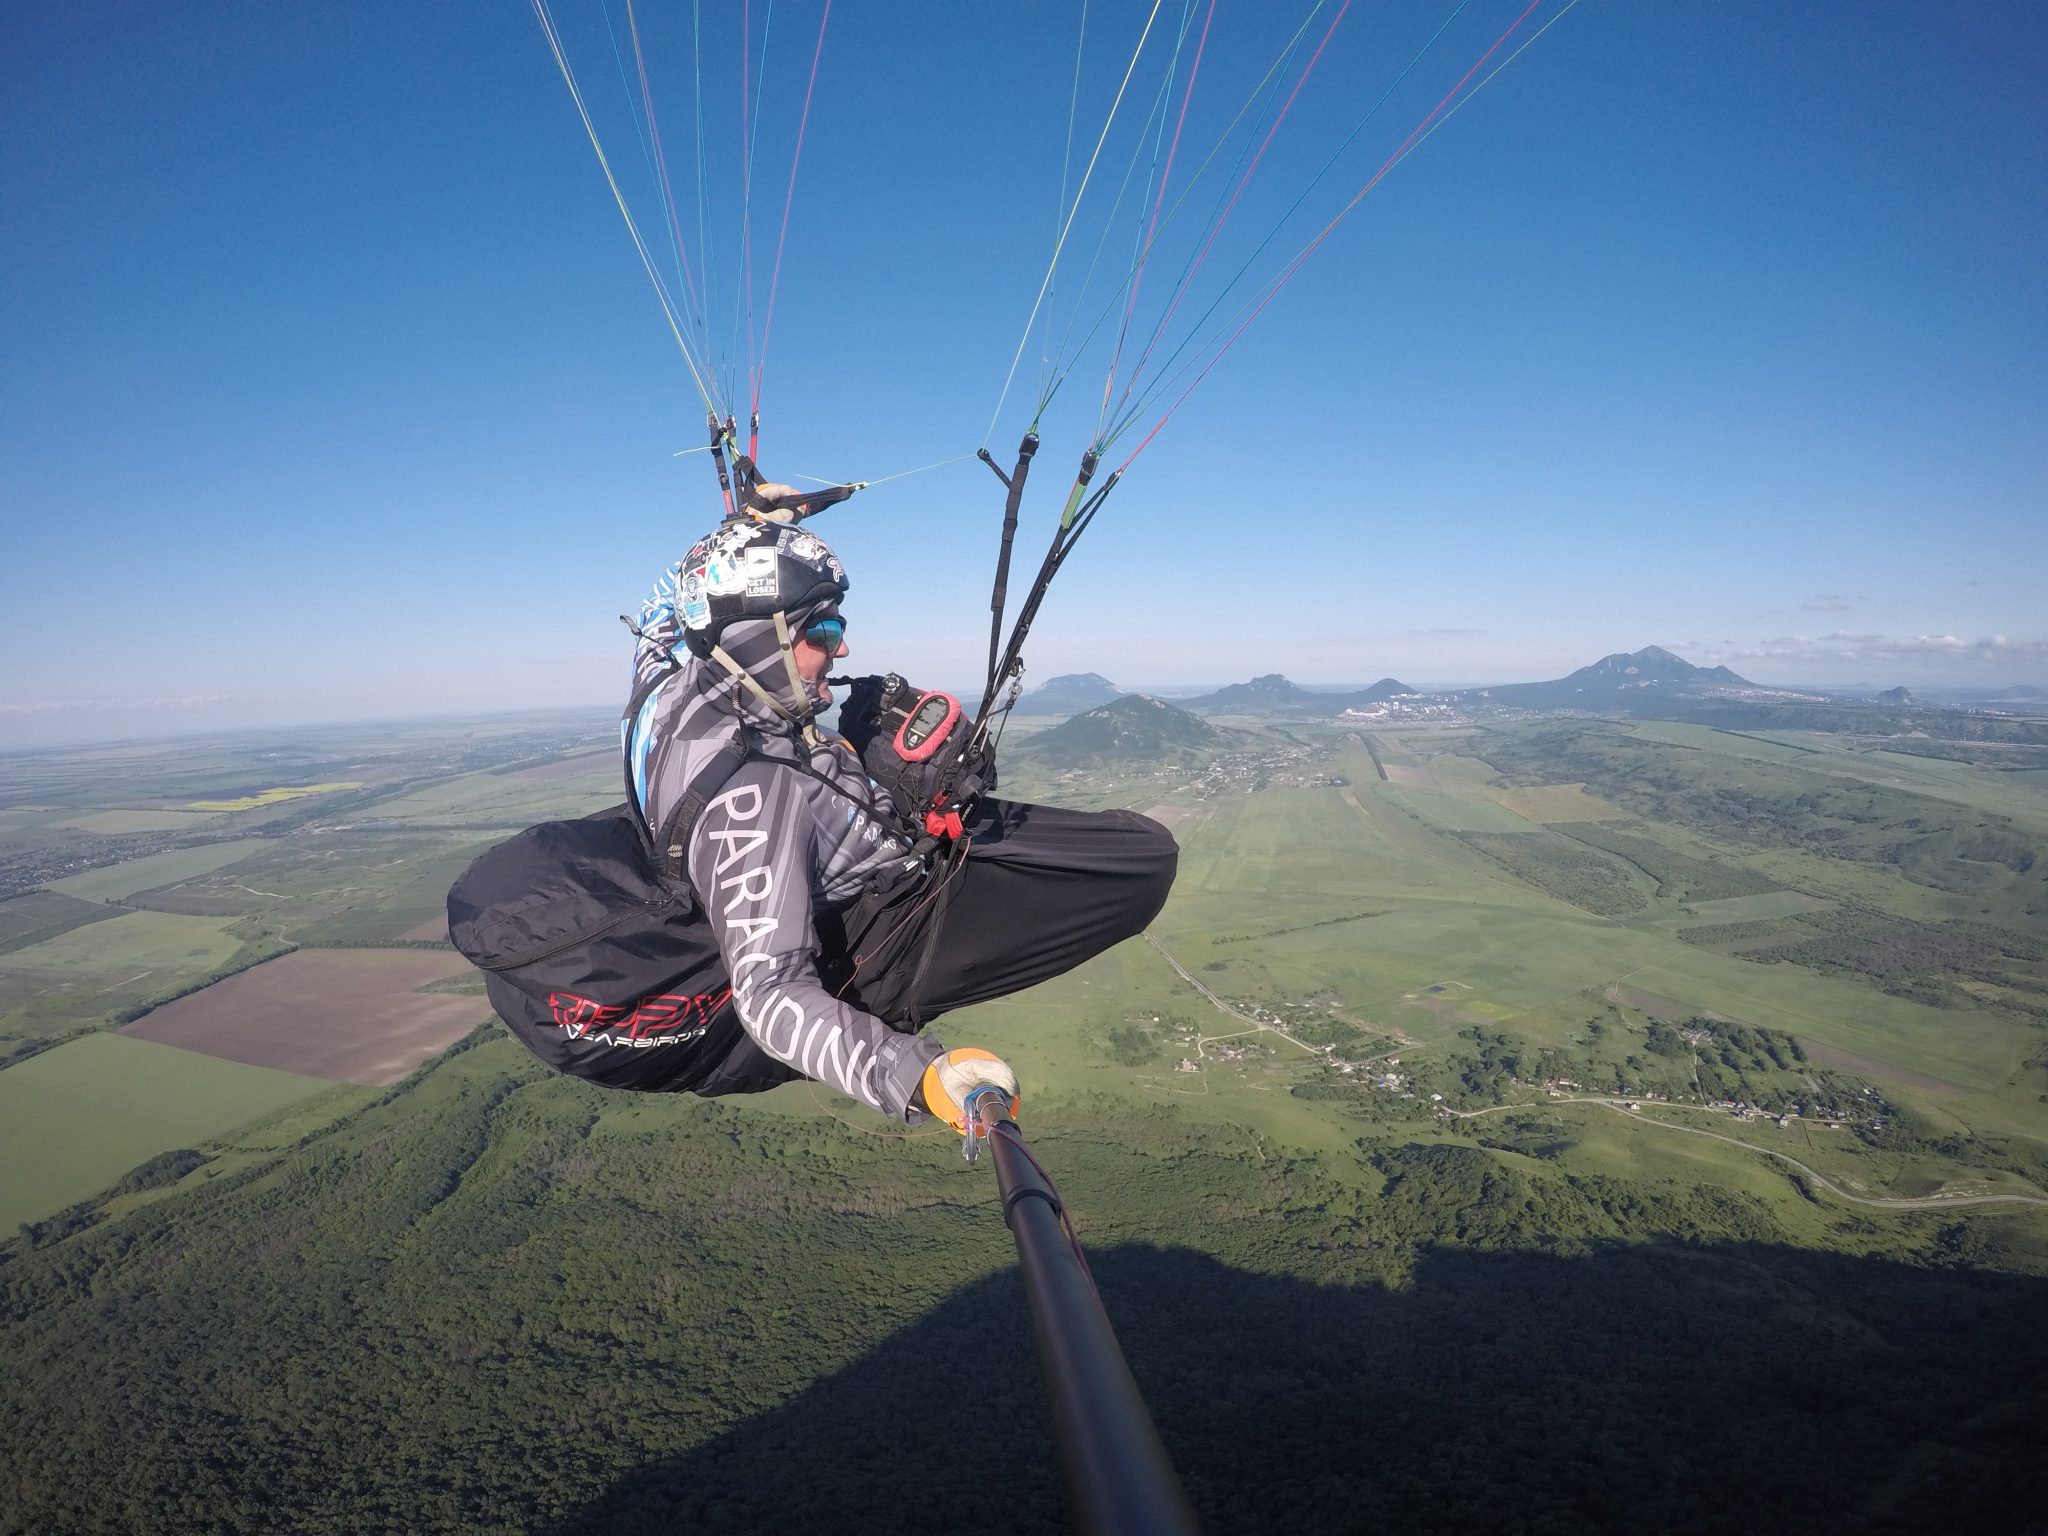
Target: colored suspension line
(750,124)
(1137,408)
(782,238)
(1484,83)
(668,196)
(901,474)
(1067,228)
(1294,266)
(547,23)
(1046,384)
(1155,115)
(647,158)
(1265,144)
(1158,179)
(1270,78)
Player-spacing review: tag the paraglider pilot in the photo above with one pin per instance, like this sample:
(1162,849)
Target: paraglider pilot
(805,900)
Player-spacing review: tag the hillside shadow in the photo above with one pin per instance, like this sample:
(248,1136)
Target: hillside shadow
(1646,1387)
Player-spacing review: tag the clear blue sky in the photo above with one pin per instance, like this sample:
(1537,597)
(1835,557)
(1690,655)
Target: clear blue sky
(330,385)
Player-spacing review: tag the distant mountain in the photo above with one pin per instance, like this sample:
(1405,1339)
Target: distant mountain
(1630,681)
(1386,688)
(1273,695)
(1268,695)
(1068,695)
(1899,695)
(1135,729)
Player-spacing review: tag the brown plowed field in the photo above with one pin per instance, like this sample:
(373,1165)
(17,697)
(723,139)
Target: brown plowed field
(348,1015)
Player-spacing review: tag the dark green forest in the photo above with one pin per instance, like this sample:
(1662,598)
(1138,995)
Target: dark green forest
(497,1301)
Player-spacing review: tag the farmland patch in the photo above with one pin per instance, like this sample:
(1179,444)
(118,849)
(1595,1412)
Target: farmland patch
(75,1119)
(1658,1006)
(117,882)
(274,796)
(40,915)
(117,823)
(352,1016)
(1678,875)
(1559,802)
(1762,907)
(570,767)
(1871,1067)
(1556,865)
(1458,813)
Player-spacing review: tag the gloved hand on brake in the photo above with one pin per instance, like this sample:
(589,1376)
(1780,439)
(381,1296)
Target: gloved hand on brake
(918,745)
(951,1077)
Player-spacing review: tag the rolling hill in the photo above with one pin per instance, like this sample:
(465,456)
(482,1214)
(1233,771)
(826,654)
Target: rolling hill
(1135,729)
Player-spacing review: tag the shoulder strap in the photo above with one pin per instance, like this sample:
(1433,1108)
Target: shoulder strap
(672,849)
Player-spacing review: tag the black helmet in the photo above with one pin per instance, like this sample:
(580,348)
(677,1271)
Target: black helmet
(752,570)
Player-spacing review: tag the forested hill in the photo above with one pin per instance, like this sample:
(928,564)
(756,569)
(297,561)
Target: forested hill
(1133,730)
(499,1300)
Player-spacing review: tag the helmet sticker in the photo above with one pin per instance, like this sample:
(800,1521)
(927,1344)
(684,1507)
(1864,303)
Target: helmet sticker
(758,567)
(813,550)
(696,603)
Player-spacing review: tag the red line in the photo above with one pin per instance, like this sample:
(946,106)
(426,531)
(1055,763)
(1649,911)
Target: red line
(1309,250)
(775,282)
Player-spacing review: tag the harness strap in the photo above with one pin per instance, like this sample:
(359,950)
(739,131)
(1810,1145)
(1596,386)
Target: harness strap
(746,680)
(673,849)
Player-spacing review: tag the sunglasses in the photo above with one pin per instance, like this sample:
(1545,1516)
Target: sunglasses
(826,634)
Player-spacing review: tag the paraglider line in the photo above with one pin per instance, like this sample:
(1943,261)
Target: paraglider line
(788,197)
(547,24)
(1123,422)
(1295,265)
(1144,254)
(668,195)
(1032,320)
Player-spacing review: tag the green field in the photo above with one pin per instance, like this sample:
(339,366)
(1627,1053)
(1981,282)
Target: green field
(89,975)
(75,1119)
(120,881)
(509,800)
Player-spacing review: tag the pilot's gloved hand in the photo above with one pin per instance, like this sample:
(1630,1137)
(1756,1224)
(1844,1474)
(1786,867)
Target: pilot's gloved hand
(951,1077)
